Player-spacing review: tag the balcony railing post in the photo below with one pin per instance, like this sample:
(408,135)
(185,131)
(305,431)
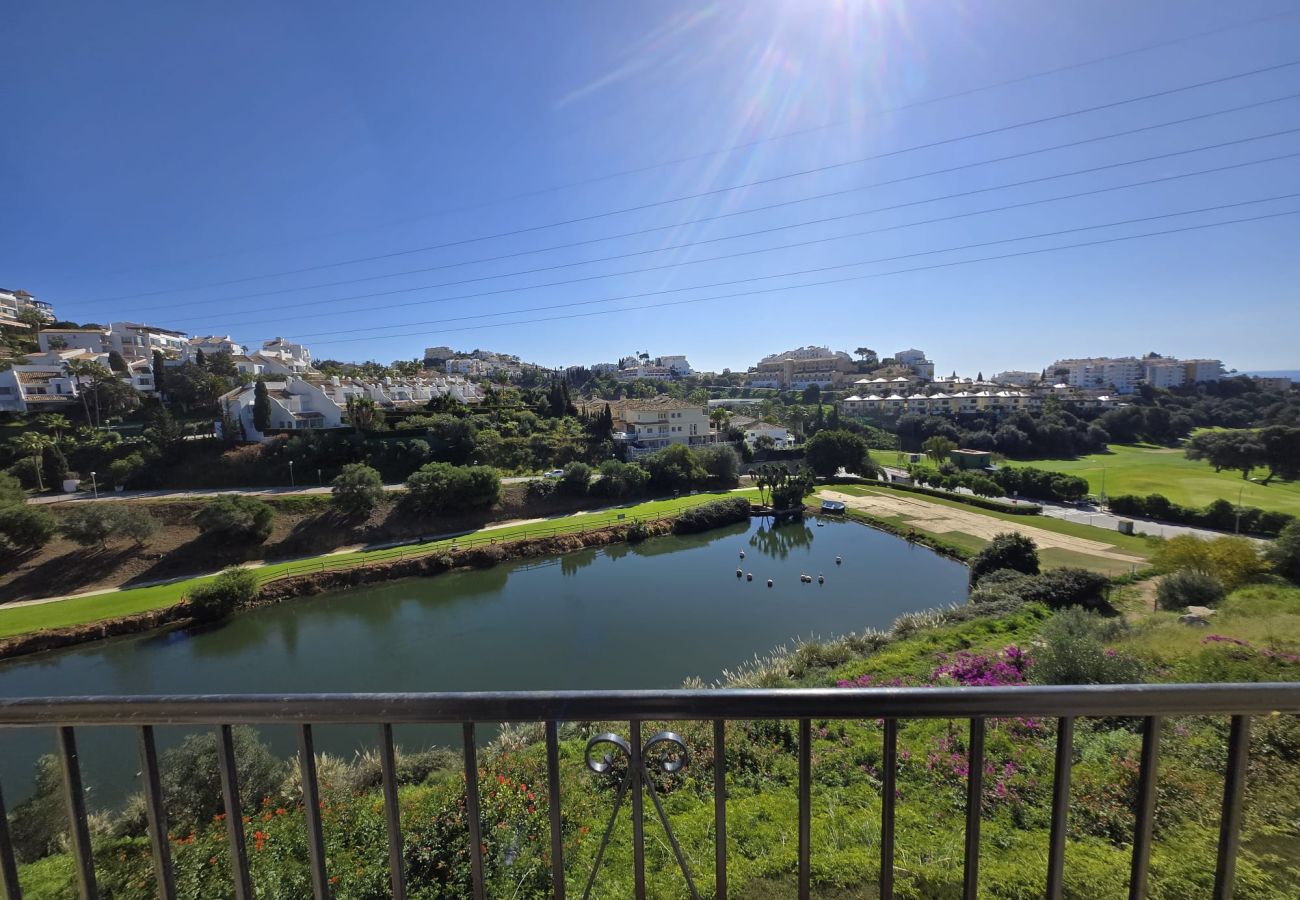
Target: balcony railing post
(472,811)
(1234,791)
(720,809)
(1144,821)
(76,796)
(553,802)
(1060,807)
(156,812)
(392,814)
(805,809)
(638,823)
(312,804)
(974,794)
(234,812)
(888,797)
(8,864)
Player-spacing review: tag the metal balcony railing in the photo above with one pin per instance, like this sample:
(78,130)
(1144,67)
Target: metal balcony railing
(664,750)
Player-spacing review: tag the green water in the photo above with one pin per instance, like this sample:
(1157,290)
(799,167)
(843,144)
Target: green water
(626,616)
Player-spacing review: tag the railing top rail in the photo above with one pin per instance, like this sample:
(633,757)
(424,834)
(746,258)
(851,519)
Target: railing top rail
(581,706)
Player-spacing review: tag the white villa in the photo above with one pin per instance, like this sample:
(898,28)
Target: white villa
(42,384)
(210,346)
(756,428)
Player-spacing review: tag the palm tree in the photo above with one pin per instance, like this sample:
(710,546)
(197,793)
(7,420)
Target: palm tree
(54,423)
(720,419)
(77,369)
(29,443)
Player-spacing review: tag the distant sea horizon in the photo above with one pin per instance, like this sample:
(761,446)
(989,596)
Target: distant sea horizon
(1293,374)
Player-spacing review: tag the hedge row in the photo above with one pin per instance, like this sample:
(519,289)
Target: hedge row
(1220,515)
(712,515)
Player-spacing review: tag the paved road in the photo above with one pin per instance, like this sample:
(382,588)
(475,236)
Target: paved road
(216,492)
(1093,515)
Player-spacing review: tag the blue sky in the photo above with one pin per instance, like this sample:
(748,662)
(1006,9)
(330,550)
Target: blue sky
(162,159)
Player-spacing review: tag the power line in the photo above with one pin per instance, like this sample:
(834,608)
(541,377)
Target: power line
(722,190)
(851,278)
(815,241)
(831,268)
(649,230)
(734,148)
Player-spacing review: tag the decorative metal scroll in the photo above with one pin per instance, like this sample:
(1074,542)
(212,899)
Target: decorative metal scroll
(672,760)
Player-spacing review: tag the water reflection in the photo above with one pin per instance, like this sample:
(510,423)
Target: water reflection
(778,539)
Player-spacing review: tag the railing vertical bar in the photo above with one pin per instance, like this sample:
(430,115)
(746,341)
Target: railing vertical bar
(1144,821)
(553,801)
(805,809)
(157,815)
(472,811)
(888,798)
(392,813)
(8,864)
(311,805)
(1234,791)
(1060,807)
(974,794)
(638,825)
(234,812)
(76,797)
(720,809)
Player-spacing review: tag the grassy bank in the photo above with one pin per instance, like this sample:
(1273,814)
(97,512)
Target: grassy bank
(1255,637)
(1146,469)
(82,610)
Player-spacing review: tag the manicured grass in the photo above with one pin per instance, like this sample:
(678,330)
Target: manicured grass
(1144,469)
(78,611)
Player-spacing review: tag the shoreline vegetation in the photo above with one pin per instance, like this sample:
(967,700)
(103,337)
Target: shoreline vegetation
(166,606)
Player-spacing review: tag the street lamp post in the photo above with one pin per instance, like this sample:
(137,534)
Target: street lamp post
(320,479)
(292,485)
(94,485)
(1236,528)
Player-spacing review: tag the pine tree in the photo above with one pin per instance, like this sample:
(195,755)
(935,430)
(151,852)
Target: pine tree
(54,466)
(200,359)
(261,407)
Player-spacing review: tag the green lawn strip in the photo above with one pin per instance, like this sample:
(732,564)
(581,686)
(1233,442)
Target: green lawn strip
(1145,469)
(1135,545)
(80,610)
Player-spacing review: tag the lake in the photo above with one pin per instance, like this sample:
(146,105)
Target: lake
(645,615)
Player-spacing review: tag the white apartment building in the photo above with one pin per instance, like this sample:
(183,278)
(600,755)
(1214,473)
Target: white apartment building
(676,364)
(646,373)
(1272,382)
(295,405)
(649,425)
(282,358)
(1202,370)
(210,346)
(55,339)
(916,360)
(393,393)
(1122,374)
(1018,378)
(603,368)
(1164,373)
(13,302)
(800,368)
(135,341)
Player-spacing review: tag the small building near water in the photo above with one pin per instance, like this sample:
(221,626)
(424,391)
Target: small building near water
(972,459)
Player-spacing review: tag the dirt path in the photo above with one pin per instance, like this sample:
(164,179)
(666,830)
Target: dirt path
(938,519)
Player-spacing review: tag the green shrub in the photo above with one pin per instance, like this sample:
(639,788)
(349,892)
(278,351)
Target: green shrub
(720,463)
(39,825)
(712,515)
(1284,553)
(1008,550)
(539,489)
(674,468)
(441,487)
(576,480)
(357,489)
(218,598)
(95,523)
(1186,587)
(11,490)
(1073,651)
(1060,588)
(620,479)
(25,528)
(237,517)
(121,472)
(191,786)
(830,450)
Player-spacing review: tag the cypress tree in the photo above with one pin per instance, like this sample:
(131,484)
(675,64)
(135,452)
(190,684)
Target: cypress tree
(117,363)
(54,467)
(159,378)
(261,407)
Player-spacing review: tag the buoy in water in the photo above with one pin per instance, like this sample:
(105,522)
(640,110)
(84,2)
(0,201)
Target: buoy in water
(839,560)
(821,579)
(749,576)
(739,573)
(742,554)
(769,582)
